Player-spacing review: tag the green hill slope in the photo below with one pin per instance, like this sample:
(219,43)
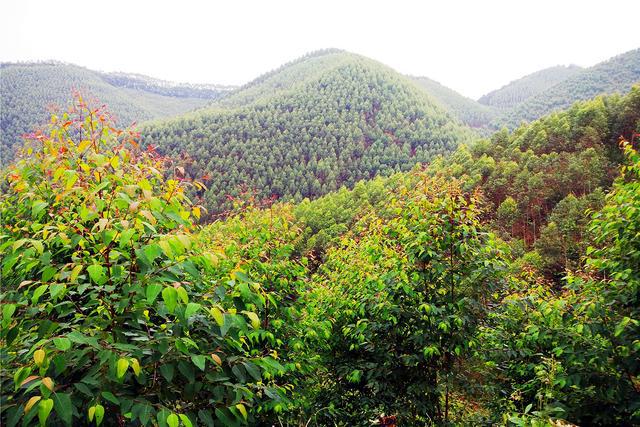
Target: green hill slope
(518,91)
(30,90)
(326,120)
(616,75)
(471,112)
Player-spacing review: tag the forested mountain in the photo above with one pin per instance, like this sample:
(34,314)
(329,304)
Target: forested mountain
(29,90)
(518,91)
(471,112)
(326,120)
(163,87)
(554,167)
(615,75)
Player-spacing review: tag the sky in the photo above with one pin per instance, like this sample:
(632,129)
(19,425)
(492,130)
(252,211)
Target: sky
(471,46)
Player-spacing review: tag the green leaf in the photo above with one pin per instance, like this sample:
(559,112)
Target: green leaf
(170,297)
(185,420)
(126,236)
(182,293)
(172,420)
(38,293)
(167,370)
(7,312)
(151,252)
(39,247)
(56,289)
(205,417)
(99,414)
(253,371)
(152,292)
(122,366)
(192,308)
(199,361)
(64,407)
(37,207)
(110,397)
(97,273)
(48,273)
(62,343)
(44,409)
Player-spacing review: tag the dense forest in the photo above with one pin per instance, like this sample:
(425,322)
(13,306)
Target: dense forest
(31,90)
(518,91)
(471,113)
(410,272)
(327,120)
(617,74)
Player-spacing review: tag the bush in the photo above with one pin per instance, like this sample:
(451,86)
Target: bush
(110,311)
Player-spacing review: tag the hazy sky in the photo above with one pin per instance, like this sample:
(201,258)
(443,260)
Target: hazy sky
(472,46)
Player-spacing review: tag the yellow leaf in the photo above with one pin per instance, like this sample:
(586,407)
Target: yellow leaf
(75,273)
(196,211)
(216,359)
(58,173)
(38,356)
(92,412)
(83,145)
(217,315)
(48,383)
(242,410)
(30,403)
(148,215)
(255,321)
(135,365)
(121,367)
(115,162)
(185,240)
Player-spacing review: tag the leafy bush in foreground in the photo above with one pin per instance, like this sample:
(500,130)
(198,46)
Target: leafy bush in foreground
(110,313)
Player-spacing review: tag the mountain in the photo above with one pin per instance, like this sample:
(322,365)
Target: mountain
(30,90)
(518,91)
(470,112)
(323,121)
(616,75)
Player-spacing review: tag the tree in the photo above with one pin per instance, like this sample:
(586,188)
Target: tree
(405,294)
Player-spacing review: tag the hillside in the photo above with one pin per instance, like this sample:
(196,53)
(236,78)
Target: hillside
(497,285)
(29,90)
(470,112)
(326,120)
(518,91)
(615,75)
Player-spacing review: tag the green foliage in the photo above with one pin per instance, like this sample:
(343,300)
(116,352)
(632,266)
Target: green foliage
(110,311)
(327,218)
(30,90)
(564,240)
(318,124)
(259,245)
(405,294)
(574,354)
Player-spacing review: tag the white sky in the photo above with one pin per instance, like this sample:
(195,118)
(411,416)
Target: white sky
(471,46)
